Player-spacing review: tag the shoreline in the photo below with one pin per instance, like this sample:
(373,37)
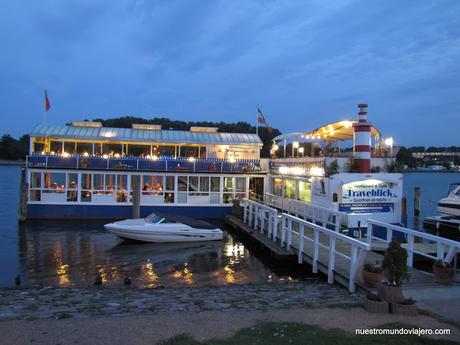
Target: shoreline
(123,315)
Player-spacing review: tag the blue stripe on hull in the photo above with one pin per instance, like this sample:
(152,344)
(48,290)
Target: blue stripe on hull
(41,211)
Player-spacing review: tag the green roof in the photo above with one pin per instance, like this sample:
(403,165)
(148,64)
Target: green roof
(143,135)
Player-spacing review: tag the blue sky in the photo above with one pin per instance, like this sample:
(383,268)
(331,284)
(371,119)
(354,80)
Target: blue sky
(305,63)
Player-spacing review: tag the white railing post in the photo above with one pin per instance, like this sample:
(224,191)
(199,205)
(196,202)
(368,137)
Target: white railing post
(331,260)
(275,226)
(410,250)
(440,251)
(251,206)
(283,230)
(353,268)
(256,216)
(389,234)
(370,228)
(289,242)
(315,250)
(301,243)
(245,211)
(262,222)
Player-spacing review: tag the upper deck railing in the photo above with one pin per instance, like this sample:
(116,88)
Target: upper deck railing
(161,164)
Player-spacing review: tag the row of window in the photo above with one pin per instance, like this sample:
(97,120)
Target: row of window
(292,189)
(110,188)
(128,149)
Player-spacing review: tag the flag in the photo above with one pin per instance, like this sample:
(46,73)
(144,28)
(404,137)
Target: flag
(47,102)
(261,120)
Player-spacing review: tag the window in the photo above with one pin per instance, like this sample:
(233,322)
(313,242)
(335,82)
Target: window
(234,188)
(72,186)
(278,186)
(54,182)
(70,147)
(152,185)
(122,188)
(289,189)
(86,187)
(138,150)
(35,186)
(305,191)
(204,184)
(83,148)
(35,180)
(193,184)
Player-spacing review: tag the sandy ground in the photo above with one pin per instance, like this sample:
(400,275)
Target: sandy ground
(137,330)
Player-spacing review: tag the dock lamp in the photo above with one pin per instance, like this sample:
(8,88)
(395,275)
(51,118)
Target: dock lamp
(389,143)
(295,145)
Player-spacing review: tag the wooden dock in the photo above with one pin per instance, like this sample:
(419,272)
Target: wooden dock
(275,249)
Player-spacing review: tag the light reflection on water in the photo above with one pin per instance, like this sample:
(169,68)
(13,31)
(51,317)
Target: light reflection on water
(74,253)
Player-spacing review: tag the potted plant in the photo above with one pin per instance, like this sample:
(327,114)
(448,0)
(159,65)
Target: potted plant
(374,304)
(394,267)
(372,275)
(443,272)
(405,307)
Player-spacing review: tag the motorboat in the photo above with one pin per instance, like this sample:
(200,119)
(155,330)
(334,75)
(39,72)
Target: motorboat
(165,228)
(449,208)
(450,205)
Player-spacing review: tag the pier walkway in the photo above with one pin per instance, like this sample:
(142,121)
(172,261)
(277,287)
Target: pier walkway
(317,240)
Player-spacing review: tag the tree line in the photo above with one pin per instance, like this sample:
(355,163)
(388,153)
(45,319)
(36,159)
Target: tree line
(17,149)
(404,155)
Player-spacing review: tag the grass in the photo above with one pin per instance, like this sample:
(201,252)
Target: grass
(293,333)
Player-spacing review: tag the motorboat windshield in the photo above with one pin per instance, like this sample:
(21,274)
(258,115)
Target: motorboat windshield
(453,187)
(154,218)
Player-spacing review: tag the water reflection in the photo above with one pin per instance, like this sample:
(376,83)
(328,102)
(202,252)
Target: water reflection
(72,254)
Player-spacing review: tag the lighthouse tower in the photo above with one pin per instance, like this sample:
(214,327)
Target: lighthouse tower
(362,140)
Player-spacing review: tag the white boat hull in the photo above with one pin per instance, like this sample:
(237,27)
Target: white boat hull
(140,230)
(449,207)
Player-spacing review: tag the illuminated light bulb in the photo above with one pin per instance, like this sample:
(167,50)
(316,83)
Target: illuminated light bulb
(191,159)
(117,155)
(301,150)
(85,154)
(295,144)
(65,154)
(154,157)
(105,156)
(389,141)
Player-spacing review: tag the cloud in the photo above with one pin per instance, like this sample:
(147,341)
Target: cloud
(305,62)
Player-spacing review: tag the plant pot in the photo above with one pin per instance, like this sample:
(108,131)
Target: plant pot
(372,279)
(376,307)
(443,275)
(404,309)
(391,294)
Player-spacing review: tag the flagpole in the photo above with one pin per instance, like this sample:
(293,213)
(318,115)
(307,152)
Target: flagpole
(257,120)
(44,109)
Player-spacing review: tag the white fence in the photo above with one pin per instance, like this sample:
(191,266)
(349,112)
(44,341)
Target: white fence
(445,248)
(313,213)
(295,233)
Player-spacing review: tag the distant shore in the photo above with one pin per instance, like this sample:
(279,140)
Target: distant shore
(12,162)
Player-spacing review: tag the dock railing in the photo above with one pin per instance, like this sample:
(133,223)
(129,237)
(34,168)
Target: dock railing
(323,216)
(134,163)
(292,227)
(294,233)
(445,248)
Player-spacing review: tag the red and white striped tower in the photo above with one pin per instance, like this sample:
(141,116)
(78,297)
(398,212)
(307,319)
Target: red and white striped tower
(362,140)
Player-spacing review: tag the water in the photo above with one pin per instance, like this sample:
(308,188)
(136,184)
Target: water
(73,253)
(434,186)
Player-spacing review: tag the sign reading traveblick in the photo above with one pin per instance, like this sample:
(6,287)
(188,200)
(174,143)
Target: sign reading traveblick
(369,191)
